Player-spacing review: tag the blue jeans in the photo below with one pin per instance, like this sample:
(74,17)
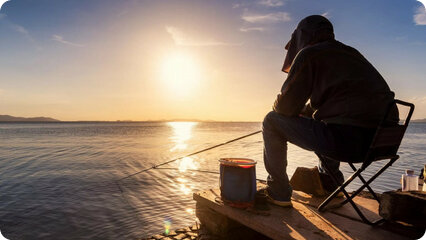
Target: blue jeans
(336,141)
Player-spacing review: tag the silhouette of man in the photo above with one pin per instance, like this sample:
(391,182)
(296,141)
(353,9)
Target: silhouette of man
(330,103)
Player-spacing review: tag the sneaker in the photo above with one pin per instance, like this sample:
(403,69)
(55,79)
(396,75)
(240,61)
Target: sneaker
(276,202)
(280,203)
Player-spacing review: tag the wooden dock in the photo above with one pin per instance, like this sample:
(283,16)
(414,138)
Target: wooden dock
(303,221)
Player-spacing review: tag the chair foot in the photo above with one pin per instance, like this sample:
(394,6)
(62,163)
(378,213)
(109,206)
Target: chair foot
(378,222)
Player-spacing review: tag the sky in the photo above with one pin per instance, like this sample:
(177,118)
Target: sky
(187,59)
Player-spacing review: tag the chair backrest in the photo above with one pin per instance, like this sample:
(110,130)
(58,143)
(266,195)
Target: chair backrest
(388,136)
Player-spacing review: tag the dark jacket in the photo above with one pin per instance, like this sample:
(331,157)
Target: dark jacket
(342,86)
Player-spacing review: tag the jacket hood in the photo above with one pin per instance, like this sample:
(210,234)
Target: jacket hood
(311,30)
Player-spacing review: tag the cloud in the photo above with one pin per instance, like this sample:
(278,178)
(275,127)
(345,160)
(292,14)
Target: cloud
(419,99)
(17,28)
(252,29)
(271,3)
(236,5)
(326,15)
(182,39)
(267,18)
(20,29)
(420,16)
(23,31)
(401,38)
(61,39)
(420,103)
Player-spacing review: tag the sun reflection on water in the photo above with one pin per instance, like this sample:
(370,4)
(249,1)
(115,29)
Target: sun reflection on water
(182,131)
(187,163)
(184,186)
(190,211)
(185,189)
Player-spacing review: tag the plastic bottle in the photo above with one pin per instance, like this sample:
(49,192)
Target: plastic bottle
(410,182)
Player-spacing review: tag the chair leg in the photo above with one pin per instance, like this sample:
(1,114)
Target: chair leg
(341,188)
(357,173)
(365,182)
(348,198)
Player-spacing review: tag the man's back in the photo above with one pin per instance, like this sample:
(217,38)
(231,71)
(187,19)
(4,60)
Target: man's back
(347,89)
(343,87)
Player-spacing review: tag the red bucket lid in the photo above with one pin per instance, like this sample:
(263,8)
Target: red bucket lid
(236,162)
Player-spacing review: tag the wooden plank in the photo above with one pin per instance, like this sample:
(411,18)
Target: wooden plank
(369,207)
(273,226)
(300,222)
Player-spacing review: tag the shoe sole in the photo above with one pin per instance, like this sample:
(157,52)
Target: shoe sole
(286,204)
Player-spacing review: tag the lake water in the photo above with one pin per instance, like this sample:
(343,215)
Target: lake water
(59,180)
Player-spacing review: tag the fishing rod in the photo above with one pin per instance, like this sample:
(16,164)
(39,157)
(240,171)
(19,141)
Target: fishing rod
(128,202)
(191,154)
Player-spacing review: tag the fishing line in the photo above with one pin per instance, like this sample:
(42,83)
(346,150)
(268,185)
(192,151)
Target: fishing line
(128,202)
(191,154)
(98,185)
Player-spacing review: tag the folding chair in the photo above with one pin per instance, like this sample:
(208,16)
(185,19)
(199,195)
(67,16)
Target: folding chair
(384,146)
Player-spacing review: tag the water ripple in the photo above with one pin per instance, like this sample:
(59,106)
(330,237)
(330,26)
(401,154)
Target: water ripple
(58,181)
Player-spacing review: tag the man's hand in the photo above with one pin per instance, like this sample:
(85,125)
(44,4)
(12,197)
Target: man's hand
(279,107)
(307,111)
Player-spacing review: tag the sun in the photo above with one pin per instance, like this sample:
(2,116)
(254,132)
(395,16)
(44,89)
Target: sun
(180,73)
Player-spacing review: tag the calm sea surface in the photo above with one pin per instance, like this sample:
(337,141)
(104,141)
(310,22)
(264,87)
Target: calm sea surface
(59,180)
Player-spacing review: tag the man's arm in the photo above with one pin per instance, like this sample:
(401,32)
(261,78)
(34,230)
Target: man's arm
(297,88)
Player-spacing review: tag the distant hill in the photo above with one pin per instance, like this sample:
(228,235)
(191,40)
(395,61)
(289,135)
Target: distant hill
(8,118)
(419,120)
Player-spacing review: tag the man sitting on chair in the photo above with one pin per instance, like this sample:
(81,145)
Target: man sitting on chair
(331,103)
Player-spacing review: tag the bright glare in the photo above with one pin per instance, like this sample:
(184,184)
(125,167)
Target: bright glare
(180,72)
(182,131)
(184,189)
(182,180)
(190,211)
(187,163)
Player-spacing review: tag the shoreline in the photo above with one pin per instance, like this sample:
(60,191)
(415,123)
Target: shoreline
(188,233)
